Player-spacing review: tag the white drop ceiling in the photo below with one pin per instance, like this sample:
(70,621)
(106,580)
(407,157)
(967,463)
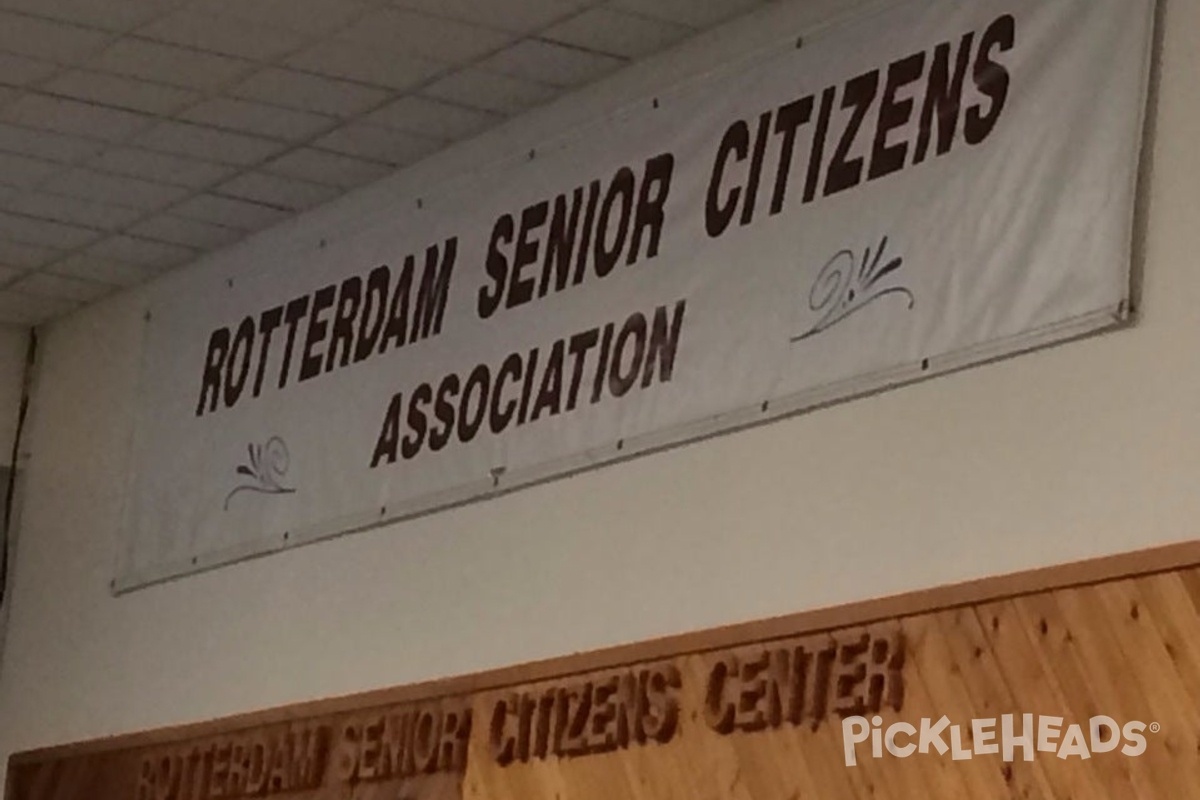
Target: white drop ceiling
(136,135)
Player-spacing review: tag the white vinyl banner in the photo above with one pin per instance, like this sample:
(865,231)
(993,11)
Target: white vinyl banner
(930,184)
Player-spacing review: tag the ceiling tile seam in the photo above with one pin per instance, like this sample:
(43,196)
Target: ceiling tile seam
(67,254)
(103,234)
(85,226)
(75,23)
(38,271)
(213,93)
(308,143)
(335,122)
(578,48)
(644,17)
(63,253)
(390,96)
(428,14)
(216,192)
(111,36)
(81,164)
(7,288)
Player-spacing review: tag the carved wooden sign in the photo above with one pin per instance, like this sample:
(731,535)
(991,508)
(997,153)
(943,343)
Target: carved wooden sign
(418,746)
(1075,692)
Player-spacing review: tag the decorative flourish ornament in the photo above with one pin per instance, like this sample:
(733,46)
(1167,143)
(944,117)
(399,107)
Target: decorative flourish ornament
(845,286)
(264,474)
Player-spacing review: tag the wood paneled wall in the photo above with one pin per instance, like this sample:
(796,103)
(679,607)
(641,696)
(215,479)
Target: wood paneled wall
(750,712)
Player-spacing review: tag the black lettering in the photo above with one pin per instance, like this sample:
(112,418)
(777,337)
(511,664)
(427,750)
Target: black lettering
(520,290)
(389,434)
(589,222)
(635,328)
(756,162)
(295,311)
(893,114)
(735,142)
(602,368)
(844,172)
(445,412)
(991,78)
(664,343)
(410,446)
(342,340)
(241,350)
(469,424)
(817,157)
(527,386)
(560,244)
(496,266)
(267,324)
(580,344)
(550,395)
(434,291)
(396,328)
(943,99)
(310,364)
(214,363)
(373,312)
(621,189)
(787,123)
(499,420)
(652,199)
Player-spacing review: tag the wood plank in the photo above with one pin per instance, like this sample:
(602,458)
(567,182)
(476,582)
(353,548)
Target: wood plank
(748,712)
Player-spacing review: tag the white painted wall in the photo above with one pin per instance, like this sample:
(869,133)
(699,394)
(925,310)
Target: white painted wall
(13,342)
(1086,449)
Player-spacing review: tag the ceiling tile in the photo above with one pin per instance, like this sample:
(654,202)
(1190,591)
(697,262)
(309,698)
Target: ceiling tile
(114,90)
(105,188)
(138,58)
(161,167)
(71,289)
(25,172)
(230,212)
(48,39)
(105,215)
(379,144)
(222,33)
(25,256)
(274,190)
(310,17)
(189,232)
(147,253)
(414,32)
(74,117)
(519,16)
(550,62)
(94,268)
(356,62)
(111,15)
(210,144)
(47,145)
(331,168)
(31,309)
(433,118)
(694,13)
(244,115)
(43,232)
(490,91)
(309,92)
(21,71)
(617,33)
